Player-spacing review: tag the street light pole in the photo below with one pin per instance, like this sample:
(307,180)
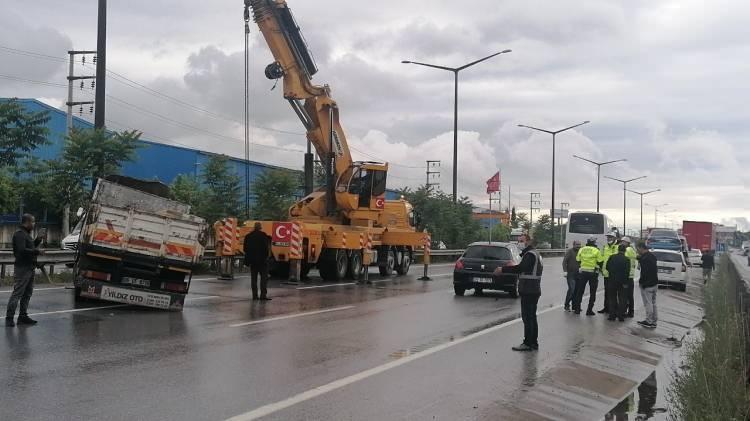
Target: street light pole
(656,210)
(554,136)
(624,197)
(640,233)
(599,166)
(455,71)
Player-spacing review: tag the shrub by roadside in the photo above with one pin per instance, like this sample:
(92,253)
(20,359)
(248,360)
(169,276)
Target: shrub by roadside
(713,384)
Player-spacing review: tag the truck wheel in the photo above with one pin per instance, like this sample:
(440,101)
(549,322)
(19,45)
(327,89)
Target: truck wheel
(279,270)
(390,263)
(403,268)
(459,290)
(355,265)
(77,294)
(342,266)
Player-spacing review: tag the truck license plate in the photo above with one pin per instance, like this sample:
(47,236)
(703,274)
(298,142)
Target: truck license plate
(136,281)
(483,280)
(140,298)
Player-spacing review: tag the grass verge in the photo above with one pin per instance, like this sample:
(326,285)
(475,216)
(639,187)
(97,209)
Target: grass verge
(713,383)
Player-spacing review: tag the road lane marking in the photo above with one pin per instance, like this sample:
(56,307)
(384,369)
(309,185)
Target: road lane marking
(439,275)
(329,285)
(343,382)
(35,289)
(291,316)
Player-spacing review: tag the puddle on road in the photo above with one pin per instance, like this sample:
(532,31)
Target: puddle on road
(439,341)
(639,405)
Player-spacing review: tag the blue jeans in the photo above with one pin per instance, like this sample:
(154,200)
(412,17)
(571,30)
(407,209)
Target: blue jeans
(572,276)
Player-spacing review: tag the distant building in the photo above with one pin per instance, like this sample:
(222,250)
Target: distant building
(489,218)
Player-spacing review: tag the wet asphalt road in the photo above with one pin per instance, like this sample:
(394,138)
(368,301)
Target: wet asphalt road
(397,349)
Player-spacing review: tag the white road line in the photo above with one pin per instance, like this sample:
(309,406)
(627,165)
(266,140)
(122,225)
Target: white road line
(326,286)
(202,298)
(439,275)
(291,316)
(35,290)
(338,384)
(75,310)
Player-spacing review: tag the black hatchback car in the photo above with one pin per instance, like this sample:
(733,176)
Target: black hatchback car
(475,268)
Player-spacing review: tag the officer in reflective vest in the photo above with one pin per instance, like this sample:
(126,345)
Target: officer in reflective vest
(529,288)
(630,285)
(591,259)
(610,249)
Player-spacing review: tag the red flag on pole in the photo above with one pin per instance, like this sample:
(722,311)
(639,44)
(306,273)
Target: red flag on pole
(493,184)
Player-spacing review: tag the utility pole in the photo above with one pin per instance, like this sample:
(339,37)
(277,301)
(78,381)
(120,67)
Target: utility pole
(430,172)
(534,200)
(101,65)
(246,16)
(69,118)
(563,207)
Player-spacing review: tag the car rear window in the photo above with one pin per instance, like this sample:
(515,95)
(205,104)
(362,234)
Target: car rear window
(664,233)
(668,257)
(488,253)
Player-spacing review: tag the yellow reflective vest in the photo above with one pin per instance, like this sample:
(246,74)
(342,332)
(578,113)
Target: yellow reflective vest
(589,257)
(631,254)
(609,251)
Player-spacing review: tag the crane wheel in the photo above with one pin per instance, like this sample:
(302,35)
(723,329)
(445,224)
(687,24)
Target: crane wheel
(333,265)
(390,264)
(403,267)
(355,266)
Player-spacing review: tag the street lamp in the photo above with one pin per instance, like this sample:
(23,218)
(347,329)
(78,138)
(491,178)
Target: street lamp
(599,166)
(656,210)
(624,192)
(554,135)
(455,71)
(640,233)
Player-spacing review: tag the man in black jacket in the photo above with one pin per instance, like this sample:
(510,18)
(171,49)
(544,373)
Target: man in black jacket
(649,283)
(618,267)
(257,249)
(708,264)
(571,266)
(25,250)
(529,288)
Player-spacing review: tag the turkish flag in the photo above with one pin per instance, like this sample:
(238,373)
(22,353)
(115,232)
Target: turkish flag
(493,184)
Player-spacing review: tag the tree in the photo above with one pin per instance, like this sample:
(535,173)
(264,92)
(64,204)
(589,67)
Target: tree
(543,229)
(186,189)
(274,192)
(222,196)
(449,222)
(9,194)
(522,221)
(20,132)
(97,153)
(513,222)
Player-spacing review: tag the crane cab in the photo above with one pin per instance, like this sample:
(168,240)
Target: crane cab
(361,189)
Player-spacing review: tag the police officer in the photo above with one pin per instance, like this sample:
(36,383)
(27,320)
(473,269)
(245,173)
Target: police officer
(591,259)
(529,288)
(630,284)
(610,249)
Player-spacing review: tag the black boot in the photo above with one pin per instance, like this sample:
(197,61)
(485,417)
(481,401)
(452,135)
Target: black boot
(26,320)
(9,322)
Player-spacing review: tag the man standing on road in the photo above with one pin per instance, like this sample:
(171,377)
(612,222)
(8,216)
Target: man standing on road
(610,249)
(590,259)
(649,283)
(257,250)
(630,284)
(530,289)
(708,264)
(571,267)
(618,267)
(25,250)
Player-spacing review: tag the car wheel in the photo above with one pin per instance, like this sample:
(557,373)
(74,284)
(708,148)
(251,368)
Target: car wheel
(478,291)
(459,290)
(681,288)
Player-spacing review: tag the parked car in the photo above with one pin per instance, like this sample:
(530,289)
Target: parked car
(672,269)
(475,268)
(694,257)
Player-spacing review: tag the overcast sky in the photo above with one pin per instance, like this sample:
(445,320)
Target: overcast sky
(664,84)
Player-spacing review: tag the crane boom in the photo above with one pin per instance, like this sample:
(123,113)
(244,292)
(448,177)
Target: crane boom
(358,188)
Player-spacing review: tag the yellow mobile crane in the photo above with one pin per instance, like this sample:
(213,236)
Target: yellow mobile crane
(347,225)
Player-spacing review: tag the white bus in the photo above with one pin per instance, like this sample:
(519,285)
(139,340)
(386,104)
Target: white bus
(584,225)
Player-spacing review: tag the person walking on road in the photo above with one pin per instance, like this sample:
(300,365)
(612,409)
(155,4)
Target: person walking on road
(630,284)
(708,263)
(571,267)
(529,288)
(25,251)
(590,259)
(618,267)
(610,249)
(649,283)
(257,248)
